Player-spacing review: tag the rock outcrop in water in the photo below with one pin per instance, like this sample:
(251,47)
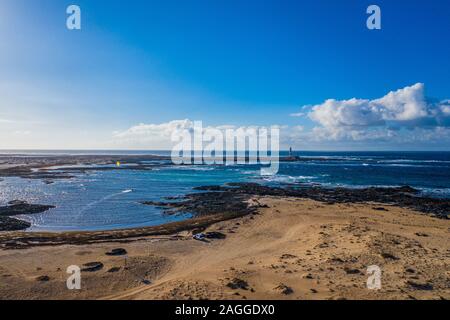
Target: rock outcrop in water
(231,198)
(11,224)
(208,203)
(15,208)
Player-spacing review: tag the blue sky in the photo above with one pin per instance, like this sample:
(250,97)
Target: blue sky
(231,62)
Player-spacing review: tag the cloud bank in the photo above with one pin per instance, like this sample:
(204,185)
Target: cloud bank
(152,136)
(159,136)
(388,117)
(405,117)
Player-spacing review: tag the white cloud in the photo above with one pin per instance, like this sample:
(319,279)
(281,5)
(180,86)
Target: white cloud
(152,136)
(445,107)
(404,116)
(405,104)
(22,133)
(159,136)
(6,121)
(363,119)
(347,113)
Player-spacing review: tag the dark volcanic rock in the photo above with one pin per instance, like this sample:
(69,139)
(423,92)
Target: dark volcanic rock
(43,278)
(420,285)
(380,209)
(215,235)
(12,224)
(284,289)
(352,271)
(209,188)
(92,266)
(117,252)
(238,284)
(17,207)
(209,203)
(406,196)
(231,200)
(421,234)
(209,235)
(410,270)
(389,256)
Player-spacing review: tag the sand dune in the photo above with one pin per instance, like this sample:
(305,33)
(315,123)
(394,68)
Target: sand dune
(293,249)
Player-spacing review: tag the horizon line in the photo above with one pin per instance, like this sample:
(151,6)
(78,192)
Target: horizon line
(168,150)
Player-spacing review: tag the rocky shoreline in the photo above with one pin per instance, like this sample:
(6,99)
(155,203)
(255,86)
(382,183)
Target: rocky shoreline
(208,204)
(231,197)
(15,208)
(405,197)
(217,203)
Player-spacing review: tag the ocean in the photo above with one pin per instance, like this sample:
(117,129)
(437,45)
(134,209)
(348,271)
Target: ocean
(103,200)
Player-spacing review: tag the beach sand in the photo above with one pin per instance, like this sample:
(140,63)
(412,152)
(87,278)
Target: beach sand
(291,249)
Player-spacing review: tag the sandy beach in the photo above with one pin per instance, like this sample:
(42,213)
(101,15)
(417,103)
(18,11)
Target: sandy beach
(224,150)
(289,248)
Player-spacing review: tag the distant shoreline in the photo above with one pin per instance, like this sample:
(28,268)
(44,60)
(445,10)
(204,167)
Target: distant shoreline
(144,152)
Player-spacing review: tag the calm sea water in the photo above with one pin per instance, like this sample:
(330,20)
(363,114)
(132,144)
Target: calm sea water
(101,200)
